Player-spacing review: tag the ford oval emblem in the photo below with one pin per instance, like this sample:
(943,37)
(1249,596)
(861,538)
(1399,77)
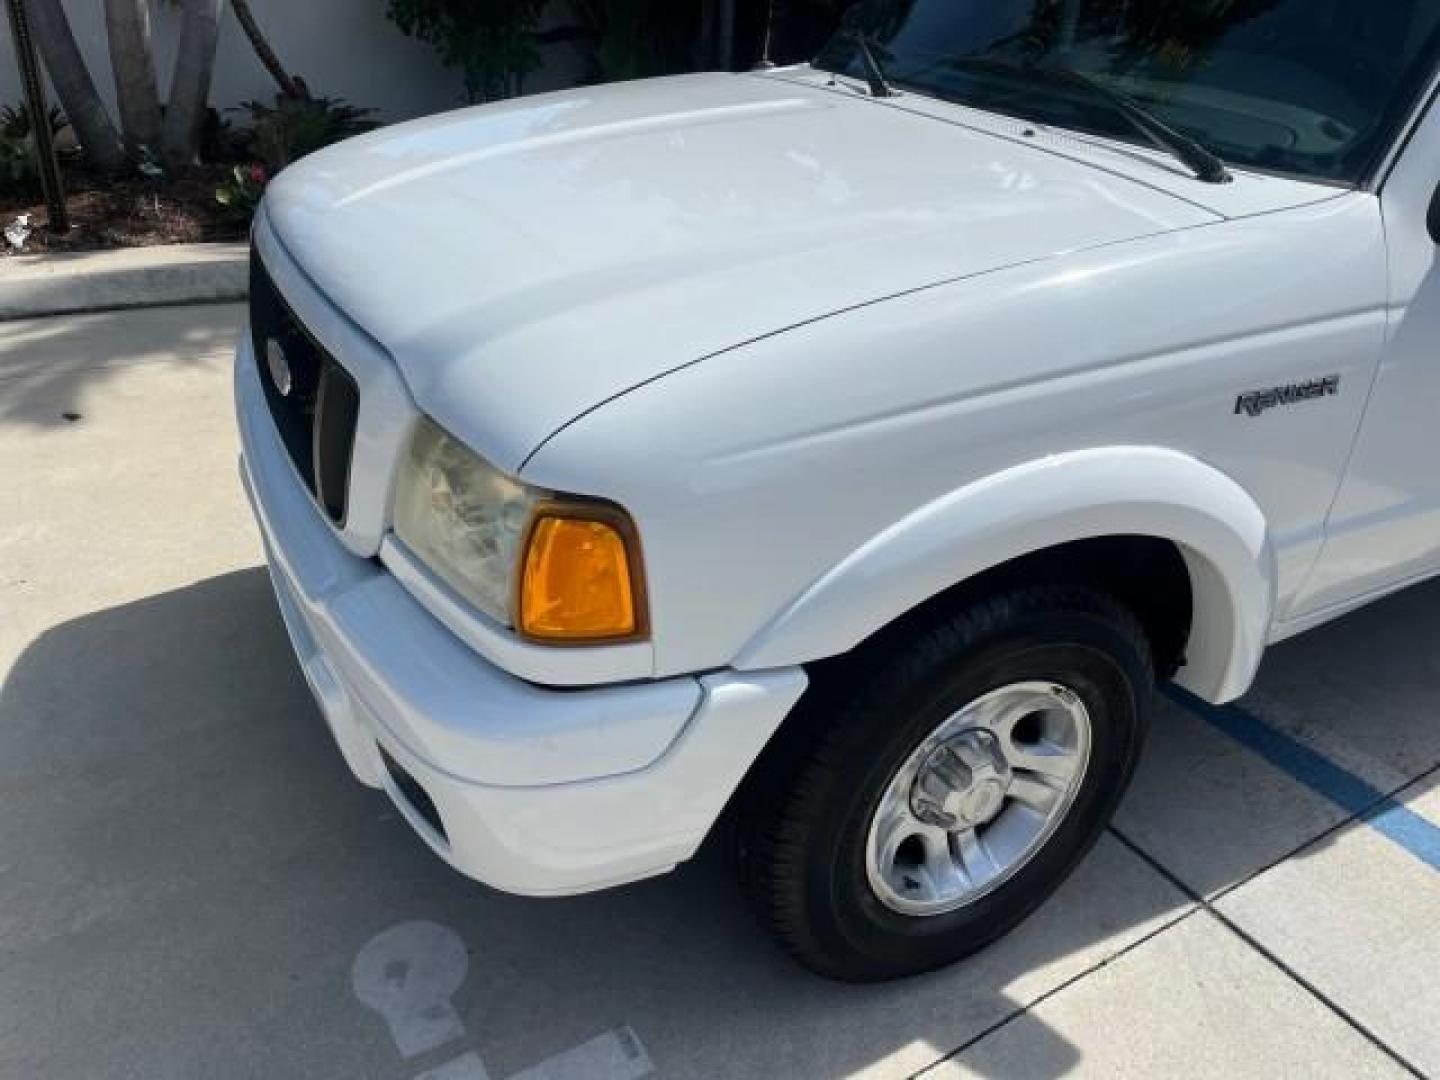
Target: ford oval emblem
(279,367)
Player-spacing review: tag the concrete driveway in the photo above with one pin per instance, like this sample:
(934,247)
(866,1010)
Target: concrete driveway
(191,885)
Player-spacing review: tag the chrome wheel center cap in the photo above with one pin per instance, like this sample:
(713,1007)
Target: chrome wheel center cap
(977,798)
(963,783)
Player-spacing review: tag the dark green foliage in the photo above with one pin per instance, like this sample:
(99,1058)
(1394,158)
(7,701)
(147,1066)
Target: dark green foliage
(491,42)
(221,142)
(278,135)
(240,194)
(19,175)
(295,126)
(15,121)
(632,39)
(495,43)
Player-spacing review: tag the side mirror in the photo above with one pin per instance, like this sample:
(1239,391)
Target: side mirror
(1432,219)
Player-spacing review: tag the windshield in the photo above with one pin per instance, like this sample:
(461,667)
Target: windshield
(1309,87)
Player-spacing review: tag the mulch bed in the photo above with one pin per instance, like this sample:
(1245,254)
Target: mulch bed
(131,211)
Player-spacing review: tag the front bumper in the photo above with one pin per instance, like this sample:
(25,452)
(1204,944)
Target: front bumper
(531,790)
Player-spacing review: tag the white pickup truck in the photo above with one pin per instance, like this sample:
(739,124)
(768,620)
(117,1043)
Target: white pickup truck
(846,450)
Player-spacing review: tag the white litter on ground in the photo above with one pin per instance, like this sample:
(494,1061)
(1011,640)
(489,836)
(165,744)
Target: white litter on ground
(18,231)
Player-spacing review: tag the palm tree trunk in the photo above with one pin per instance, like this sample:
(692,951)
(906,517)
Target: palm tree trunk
(190,84)
(73,84)
(262,48)
(127,25)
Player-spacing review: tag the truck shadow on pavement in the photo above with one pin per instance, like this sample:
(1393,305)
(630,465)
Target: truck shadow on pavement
(187,865)
(1340,722)
(51,369)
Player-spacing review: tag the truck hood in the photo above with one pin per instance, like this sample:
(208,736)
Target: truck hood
(525,262)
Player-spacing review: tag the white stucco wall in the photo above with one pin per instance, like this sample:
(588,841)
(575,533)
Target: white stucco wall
(345,48)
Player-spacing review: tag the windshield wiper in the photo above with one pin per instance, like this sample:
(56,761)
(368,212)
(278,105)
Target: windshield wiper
(874,73)
(1205,165)
(1202,162)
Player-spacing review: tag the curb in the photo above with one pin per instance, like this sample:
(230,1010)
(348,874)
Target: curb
(73,282)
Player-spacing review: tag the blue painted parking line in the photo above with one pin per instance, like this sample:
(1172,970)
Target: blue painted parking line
(1397,823)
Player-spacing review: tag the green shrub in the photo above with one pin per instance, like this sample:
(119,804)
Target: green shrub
(15,121)
(490,41)
(295,126)
(239,195)
(19,176)
(278,135)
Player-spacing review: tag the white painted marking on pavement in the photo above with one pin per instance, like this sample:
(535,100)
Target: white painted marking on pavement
(616,1055)
(408,974)
(465,1067)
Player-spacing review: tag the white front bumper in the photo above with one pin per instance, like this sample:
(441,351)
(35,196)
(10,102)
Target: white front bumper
(536,791)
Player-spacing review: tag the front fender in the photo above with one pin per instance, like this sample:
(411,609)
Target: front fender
(1138,491)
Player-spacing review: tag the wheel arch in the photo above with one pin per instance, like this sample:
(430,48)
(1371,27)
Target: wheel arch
(1042,513)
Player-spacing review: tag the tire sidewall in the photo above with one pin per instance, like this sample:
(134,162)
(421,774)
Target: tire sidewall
(1082,652)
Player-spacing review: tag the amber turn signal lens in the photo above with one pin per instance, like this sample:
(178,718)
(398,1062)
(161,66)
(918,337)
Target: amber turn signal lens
(577,584)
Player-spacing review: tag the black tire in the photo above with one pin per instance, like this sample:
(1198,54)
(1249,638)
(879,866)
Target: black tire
(803,820)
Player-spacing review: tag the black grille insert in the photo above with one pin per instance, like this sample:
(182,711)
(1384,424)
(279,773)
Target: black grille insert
(314,401)
(414,794)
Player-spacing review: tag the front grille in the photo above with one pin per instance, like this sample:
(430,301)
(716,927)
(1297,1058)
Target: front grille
(314,401)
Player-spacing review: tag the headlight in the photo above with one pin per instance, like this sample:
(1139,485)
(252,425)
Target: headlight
(477,529)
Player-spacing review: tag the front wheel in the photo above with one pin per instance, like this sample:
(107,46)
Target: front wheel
(946,784)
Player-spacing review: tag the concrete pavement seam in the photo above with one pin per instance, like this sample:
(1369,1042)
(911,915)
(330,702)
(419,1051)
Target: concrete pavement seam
(1362,800)
(1249,939)
(1021,1010)
(1359,817)
(1201,903)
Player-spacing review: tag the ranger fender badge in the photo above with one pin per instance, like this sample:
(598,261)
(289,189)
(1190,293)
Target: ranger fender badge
(1257,401)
